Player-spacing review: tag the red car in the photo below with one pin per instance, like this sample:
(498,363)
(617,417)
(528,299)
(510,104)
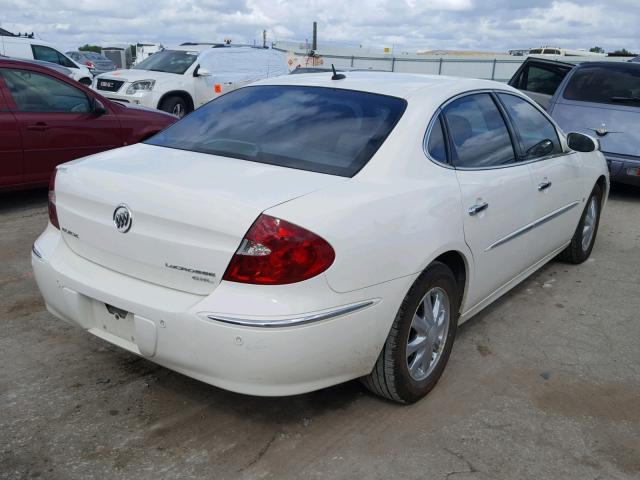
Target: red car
(47,118)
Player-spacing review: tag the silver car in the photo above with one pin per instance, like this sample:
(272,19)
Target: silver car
(96,63)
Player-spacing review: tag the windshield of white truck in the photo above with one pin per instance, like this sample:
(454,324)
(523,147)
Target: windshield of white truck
(318,129)
(169,61)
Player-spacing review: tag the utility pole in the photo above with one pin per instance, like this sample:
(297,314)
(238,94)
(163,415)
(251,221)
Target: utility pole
(314,41)
(264,39)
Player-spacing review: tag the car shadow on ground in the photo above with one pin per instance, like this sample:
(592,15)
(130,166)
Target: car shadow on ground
(622,192)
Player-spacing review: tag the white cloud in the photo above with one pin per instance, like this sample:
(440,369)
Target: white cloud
(410,24)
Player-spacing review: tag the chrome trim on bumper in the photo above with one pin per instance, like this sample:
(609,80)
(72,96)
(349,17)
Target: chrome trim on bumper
(35,251)
(292,322)
(531,226)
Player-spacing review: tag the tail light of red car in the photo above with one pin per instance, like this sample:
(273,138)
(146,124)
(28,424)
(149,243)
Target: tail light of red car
(276,252)
(53,213)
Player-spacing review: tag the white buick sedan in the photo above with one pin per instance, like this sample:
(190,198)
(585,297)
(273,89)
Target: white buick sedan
(308,230)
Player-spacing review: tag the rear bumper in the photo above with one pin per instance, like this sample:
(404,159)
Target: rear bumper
(623,168)
(203,337)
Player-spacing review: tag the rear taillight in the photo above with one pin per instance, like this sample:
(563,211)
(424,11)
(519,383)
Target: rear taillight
(89,64)
(276,252)
(53,213)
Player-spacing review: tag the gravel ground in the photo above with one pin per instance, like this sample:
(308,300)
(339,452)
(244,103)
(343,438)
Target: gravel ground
(544,384)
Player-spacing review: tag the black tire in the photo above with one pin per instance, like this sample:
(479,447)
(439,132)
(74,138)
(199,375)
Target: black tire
(175,105)
(391,378)
(575,252)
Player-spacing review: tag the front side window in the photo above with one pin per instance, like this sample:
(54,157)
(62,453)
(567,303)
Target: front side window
(48,54)
(539,79)
(169,61)
(536,133)
(318,129)
(615,85)
(36,92)
(479,135)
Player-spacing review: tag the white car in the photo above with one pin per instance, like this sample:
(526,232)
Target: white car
(311,229)
(35,49)
(183,78)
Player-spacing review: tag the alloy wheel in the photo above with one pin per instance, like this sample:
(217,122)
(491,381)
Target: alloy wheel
(589,226)
(428,333)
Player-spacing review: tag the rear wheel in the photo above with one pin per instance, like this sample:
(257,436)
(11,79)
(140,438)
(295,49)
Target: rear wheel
(585,235)
(421,337)
(175,106)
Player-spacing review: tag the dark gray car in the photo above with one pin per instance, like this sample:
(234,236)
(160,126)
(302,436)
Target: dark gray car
(94,61)
(601,99)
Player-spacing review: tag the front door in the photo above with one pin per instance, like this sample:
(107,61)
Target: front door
(495,190)
(57,122)
(556,194)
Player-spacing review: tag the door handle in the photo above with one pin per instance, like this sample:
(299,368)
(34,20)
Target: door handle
(477,208)
(544,185)
(38,127)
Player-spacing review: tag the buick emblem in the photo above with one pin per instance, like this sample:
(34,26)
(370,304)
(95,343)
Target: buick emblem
(122,218)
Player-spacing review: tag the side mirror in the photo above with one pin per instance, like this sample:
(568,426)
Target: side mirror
(98,107)
(582,143)
(540,149)
(203,72)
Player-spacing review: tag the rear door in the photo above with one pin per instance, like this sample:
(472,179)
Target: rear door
(556,193)
(11,166)
(57,122)
(495,191)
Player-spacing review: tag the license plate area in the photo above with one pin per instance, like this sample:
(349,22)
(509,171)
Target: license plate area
(114,320)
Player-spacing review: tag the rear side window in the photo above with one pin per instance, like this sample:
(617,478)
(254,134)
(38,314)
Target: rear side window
(318,129)
(534,130)
(436,143)
(616,85)
(479,135)
(36,92)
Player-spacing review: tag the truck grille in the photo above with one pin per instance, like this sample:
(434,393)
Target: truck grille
(109,85)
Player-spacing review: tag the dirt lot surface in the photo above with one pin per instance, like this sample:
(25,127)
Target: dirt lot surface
(544,384)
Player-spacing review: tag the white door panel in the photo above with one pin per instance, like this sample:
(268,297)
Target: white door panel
(499,251)
(558,201)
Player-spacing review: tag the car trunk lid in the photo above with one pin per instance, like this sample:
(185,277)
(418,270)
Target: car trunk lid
(189,210)
(614,125)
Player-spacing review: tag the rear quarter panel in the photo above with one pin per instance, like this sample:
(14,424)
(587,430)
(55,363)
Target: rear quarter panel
(383,230)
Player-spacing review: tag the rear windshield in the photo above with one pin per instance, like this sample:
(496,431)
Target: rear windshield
(318,129)
(619,85)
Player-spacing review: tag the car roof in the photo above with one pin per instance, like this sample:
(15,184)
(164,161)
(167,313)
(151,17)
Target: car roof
(39,65)
(402,85)
(620,65)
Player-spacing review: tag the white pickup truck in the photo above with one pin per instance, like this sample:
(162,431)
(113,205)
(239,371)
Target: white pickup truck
(180,79)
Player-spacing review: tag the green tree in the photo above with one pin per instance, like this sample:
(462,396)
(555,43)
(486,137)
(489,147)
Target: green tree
(90,48)
(597,49)
(623,52)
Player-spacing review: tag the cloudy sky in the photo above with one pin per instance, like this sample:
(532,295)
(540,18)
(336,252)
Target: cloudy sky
(411,25)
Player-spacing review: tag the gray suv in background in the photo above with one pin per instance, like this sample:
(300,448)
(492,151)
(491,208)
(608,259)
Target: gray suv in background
(601,99)
(96,63)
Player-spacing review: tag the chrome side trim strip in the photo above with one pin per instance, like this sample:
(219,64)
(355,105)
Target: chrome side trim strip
(35,251)
(531,226)
(292,322)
